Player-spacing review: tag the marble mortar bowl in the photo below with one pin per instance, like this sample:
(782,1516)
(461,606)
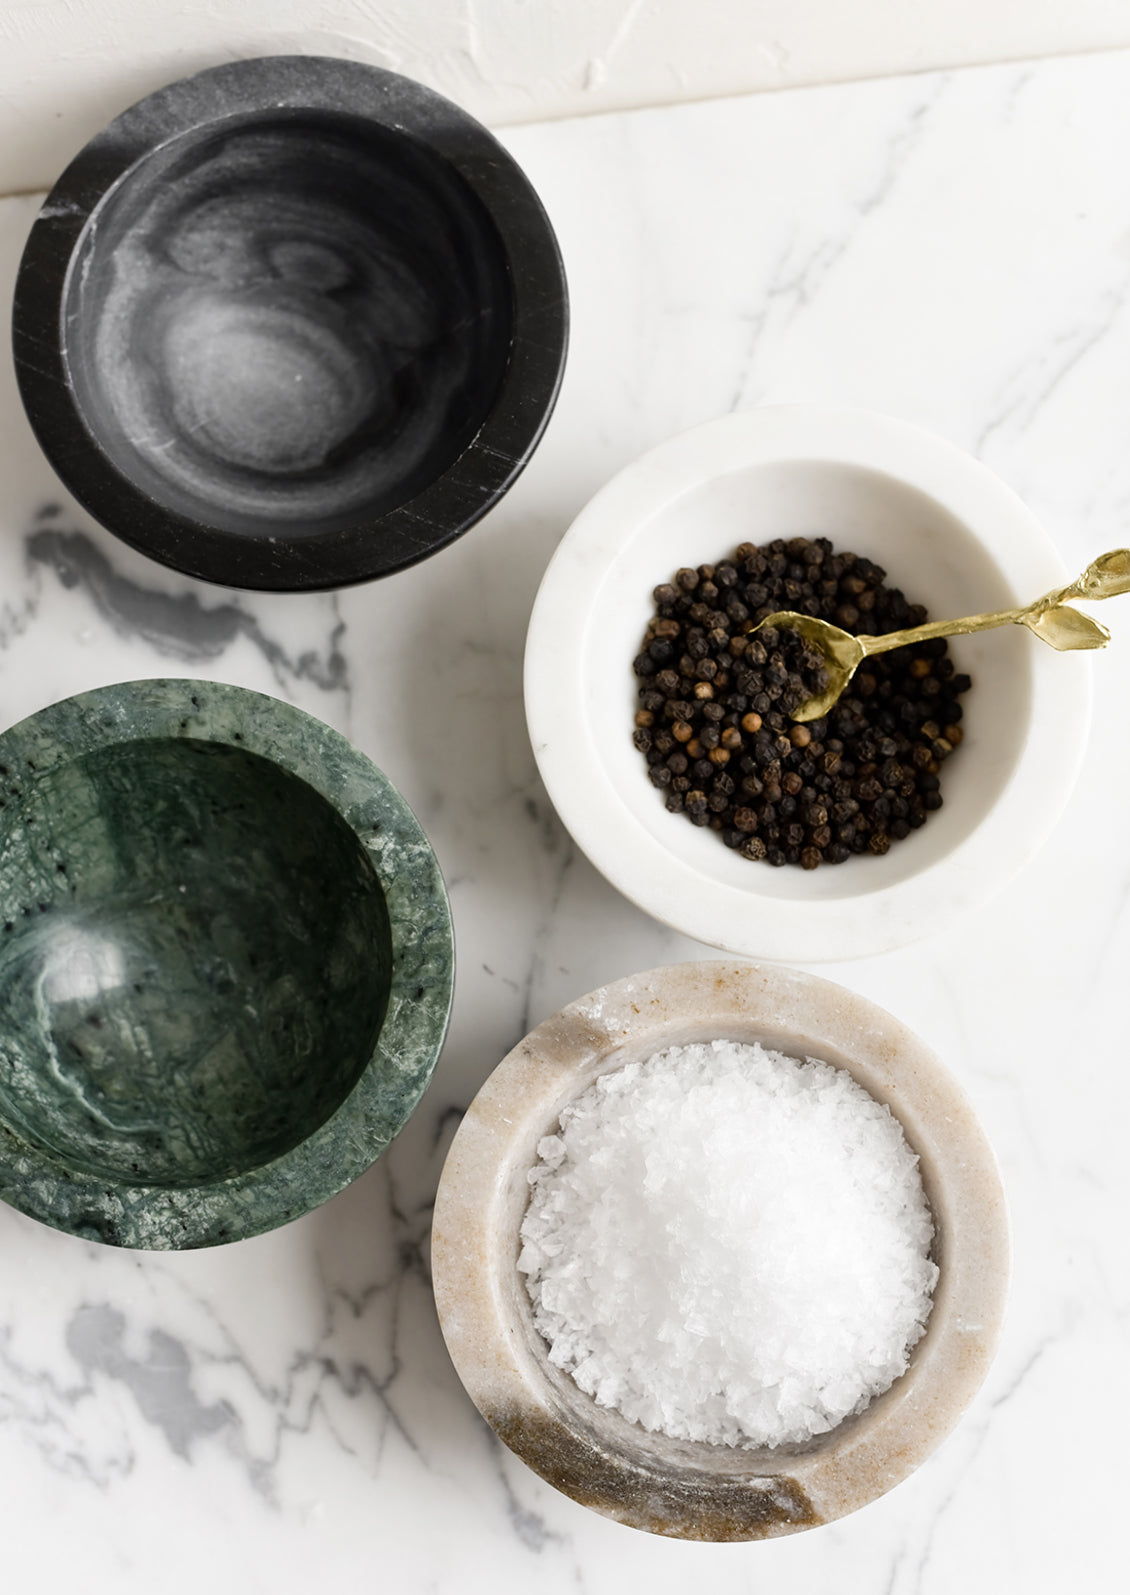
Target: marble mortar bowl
(225,964)
(289,324)
(679,1488)
(948,532)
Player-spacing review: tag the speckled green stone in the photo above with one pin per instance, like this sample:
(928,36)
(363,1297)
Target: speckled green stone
(225,964)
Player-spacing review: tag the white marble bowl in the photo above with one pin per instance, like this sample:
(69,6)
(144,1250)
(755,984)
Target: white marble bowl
(949,534)
(681,1488)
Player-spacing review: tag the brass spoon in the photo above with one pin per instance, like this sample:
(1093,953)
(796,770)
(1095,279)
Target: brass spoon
(1050,617)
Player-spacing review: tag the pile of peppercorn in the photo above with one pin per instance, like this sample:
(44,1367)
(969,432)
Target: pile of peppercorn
(714,718)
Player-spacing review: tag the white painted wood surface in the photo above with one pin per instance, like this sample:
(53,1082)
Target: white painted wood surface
(68,66)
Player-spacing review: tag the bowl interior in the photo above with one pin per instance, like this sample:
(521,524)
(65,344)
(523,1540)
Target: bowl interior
(287,318)
(933,556)
(195,960)
(579,1410)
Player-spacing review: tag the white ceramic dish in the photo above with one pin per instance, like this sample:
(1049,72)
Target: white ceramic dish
(947,531)
(675,1487)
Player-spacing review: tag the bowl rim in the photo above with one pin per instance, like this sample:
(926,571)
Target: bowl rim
(676,1488)
(741,919)
(405,1052)
(373,546)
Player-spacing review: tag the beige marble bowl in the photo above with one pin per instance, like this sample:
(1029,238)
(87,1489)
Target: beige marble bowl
(680,1488)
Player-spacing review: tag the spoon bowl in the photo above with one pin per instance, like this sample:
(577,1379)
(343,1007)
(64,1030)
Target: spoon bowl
(1050,618)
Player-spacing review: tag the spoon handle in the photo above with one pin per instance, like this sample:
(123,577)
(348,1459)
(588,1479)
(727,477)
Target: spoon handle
(942,628)
(1104,577)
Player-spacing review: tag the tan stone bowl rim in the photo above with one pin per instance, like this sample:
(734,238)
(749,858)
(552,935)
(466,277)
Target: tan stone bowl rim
(681,1488)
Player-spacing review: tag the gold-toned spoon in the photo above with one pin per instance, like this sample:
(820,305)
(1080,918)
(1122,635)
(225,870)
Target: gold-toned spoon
(1051,618)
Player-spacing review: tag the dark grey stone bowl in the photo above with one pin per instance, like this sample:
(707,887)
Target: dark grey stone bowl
(290,324)
(226,964)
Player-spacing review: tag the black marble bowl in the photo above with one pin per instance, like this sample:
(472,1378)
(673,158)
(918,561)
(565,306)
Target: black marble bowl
(290,324)
(225,964)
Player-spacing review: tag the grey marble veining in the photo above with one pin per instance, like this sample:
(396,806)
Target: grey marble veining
(301,323)
(183,626)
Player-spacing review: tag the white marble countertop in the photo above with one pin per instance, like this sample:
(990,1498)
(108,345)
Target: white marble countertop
(281,1415)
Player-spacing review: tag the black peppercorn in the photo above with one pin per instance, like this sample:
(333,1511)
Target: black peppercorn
(713,693)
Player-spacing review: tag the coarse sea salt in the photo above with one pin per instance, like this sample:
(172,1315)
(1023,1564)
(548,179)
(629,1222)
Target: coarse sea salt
(728,1245)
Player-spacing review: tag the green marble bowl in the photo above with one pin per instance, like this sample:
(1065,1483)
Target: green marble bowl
(226,964)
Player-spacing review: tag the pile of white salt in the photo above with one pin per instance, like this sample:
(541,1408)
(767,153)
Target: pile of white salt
(729,1245)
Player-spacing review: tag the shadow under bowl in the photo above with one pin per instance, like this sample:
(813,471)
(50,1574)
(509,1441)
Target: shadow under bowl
(680,1488)
(291,323)
(225,964)
(948,533)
